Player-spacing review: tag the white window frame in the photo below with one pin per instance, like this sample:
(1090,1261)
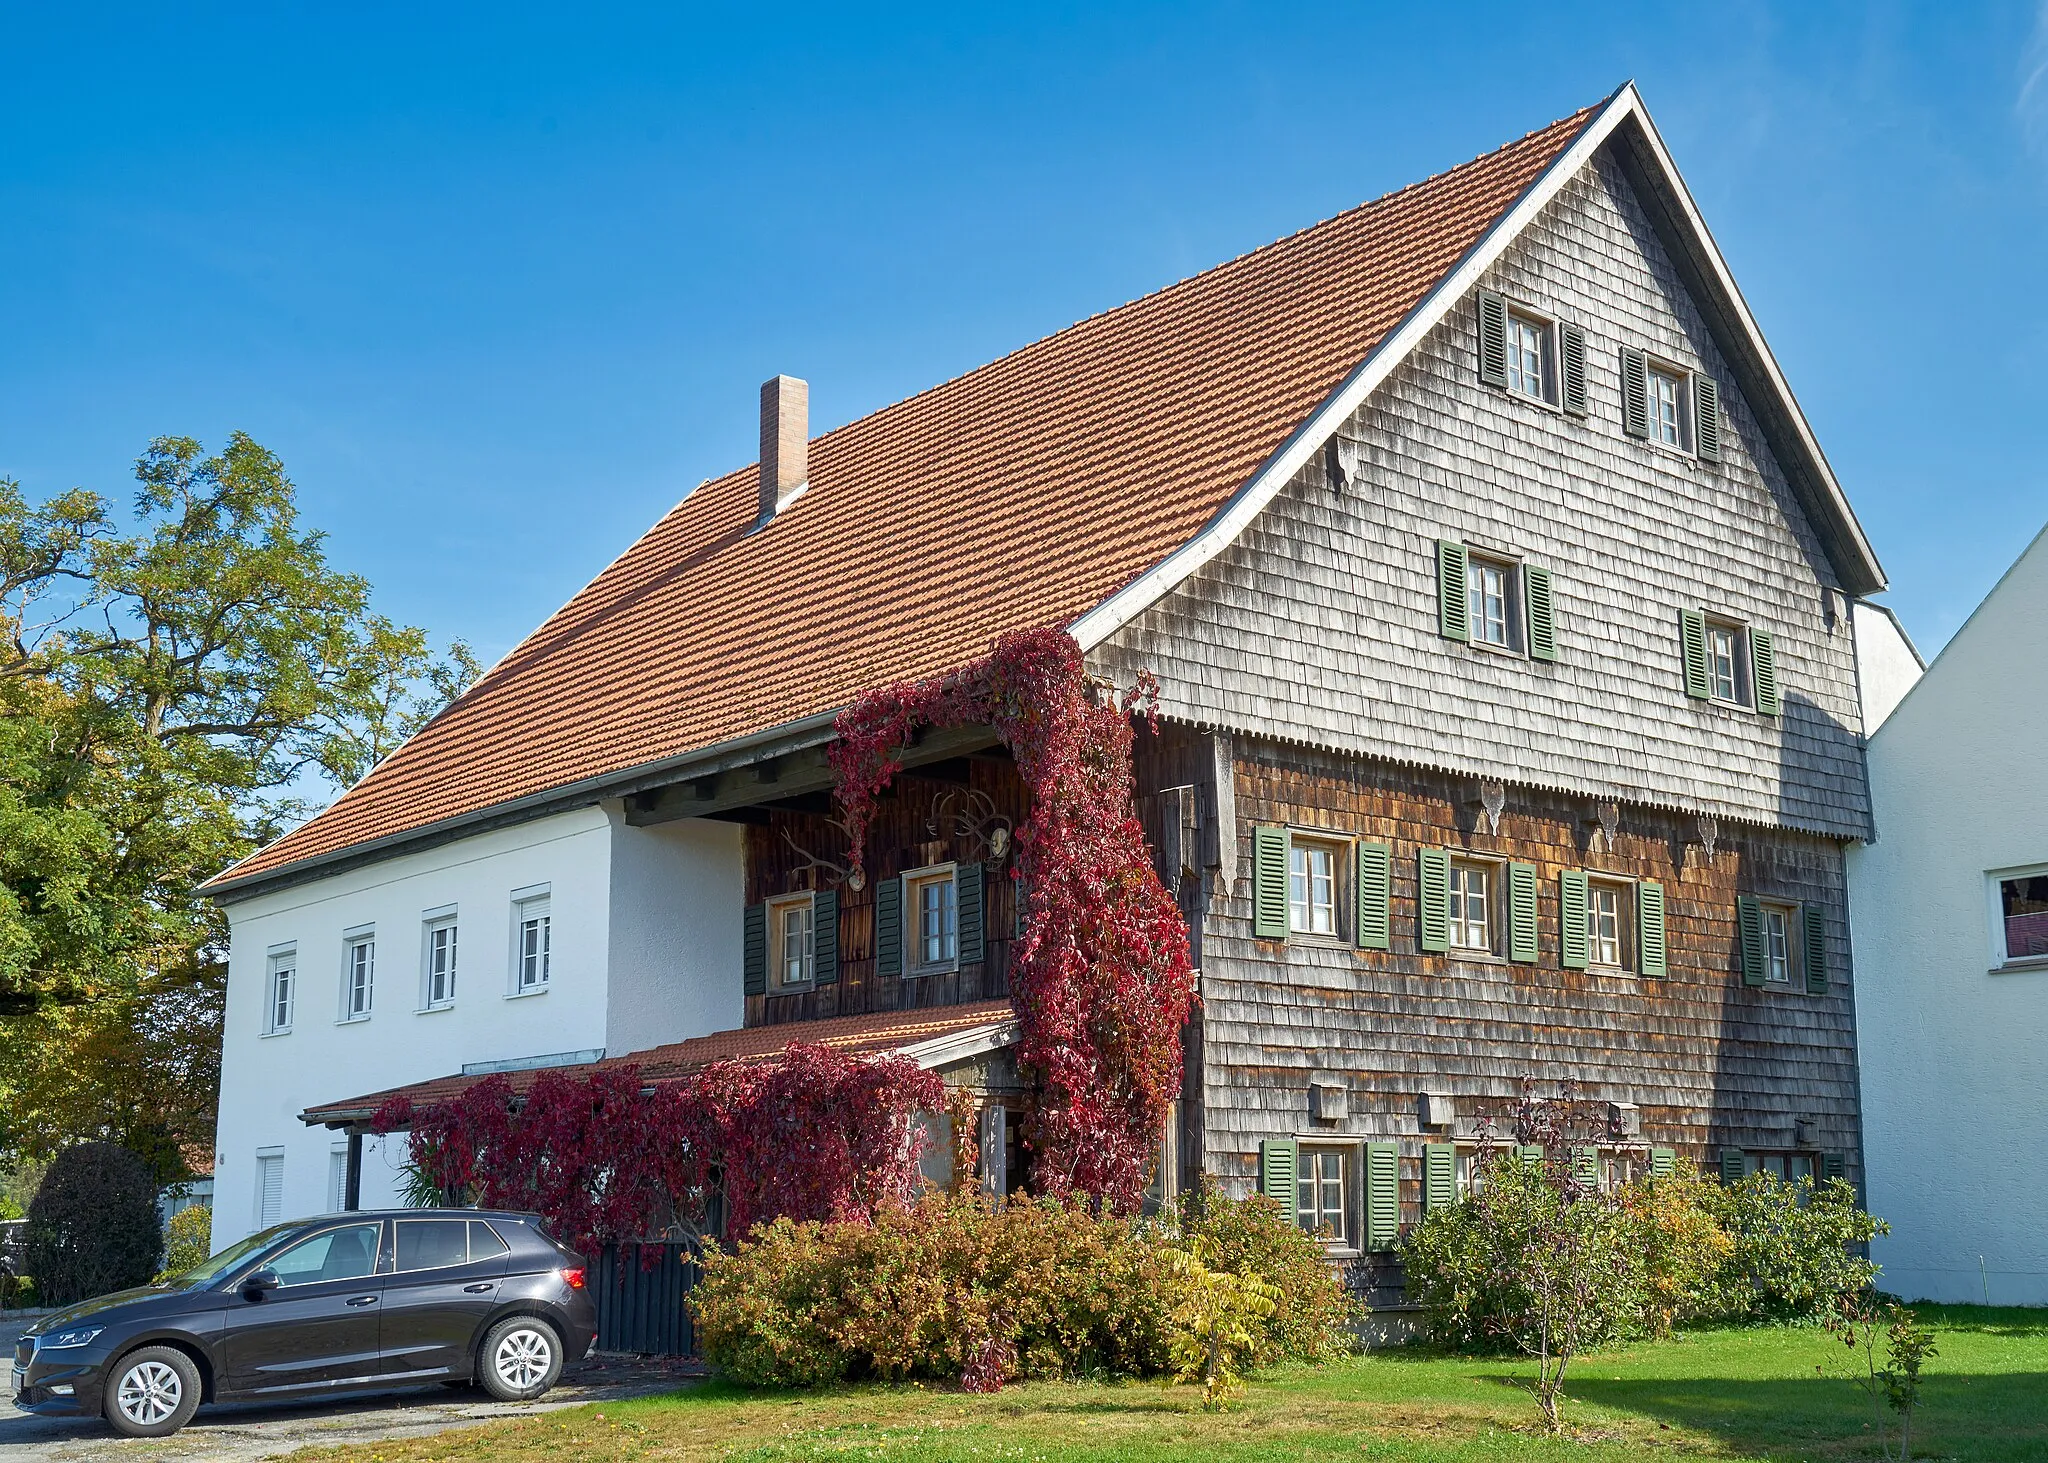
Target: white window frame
(533,903)
(1545,331)
(1789,914)
(265,1157)
(1742,674)
(1625,932)
(1680,379)
(1305,845)
(1458,905)
(1344,1240)
(914,884)
(280,960)
(358,954)
(433,924)
(779,909)
(2001,958)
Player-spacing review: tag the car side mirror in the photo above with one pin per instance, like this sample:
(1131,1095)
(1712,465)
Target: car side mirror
(258,1281)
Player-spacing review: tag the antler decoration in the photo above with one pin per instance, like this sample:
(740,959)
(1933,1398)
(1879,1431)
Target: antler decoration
(849,875)
(976,819)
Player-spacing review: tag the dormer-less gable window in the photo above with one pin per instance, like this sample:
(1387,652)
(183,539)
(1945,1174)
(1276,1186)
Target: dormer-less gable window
(1527,353)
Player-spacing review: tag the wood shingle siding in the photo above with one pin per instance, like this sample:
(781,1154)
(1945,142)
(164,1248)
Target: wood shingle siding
(1323,624)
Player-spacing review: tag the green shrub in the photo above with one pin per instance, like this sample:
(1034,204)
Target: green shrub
(1684,1248)
(93,1226)
(188,1239)
(1314,1318)
(17,1292)
(1794,1248)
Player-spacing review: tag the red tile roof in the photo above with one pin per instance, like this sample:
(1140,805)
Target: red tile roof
(1023,493)
(880,1031)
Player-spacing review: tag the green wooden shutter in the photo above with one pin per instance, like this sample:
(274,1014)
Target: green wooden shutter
(970,905)
(825,936)
(1453,613)
(1692,644)
(1635,392)
(1382,1195)
(1763,664)
(1571,348)
(1375,891)
(1749,927)
(1493,339)
(1663,1163)
(1706,418)
(1433,900)
(1586,1166)
(1532,1154)
(889,927)
(1439,1176)
(1574,948)
(1650,952)
(1816,921)
(1522,913)
(1269,882)
(1542,613)
(754,950)
(1732,1166)
(1276,1173)
(1834,1166)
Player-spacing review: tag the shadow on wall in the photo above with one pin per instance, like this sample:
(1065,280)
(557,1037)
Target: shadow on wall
(1817,754)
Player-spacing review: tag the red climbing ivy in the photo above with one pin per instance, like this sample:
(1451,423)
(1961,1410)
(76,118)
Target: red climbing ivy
(1101,978)
(813,1134)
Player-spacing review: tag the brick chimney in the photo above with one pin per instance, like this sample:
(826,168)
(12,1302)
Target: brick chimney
(785,442)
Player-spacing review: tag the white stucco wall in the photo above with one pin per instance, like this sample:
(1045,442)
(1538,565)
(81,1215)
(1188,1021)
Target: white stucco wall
(1887,664)
(676,900)
(1954,1056)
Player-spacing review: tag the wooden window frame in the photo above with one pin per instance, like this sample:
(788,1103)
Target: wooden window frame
(1655,369)
(1514,602)
(1547,363)
(778,962)
(433,923)
(1626,933)
(1306,841)
(1496,870)
(2003,961)
(1743,670)
(1350,1154)
(914,881)
(1793,915)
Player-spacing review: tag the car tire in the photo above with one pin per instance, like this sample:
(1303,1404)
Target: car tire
(521,1358)
(151,1393)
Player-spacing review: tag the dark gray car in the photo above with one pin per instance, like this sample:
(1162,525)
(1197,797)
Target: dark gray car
(318,1307)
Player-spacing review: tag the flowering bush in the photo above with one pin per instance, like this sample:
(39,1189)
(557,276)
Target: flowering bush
(1101,979)
(813,1134)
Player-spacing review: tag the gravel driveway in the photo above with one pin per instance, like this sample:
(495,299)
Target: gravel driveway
(252,1431)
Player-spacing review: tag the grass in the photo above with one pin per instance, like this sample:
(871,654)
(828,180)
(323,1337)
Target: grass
(1760,1394)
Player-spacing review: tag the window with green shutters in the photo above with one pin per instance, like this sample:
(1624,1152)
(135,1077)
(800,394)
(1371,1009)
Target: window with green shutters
(1650,952)
(1374,878)
(754,950)
(1571,350)
(889,927)
(1522,947)
(1453,605)
(825,915)
(1706,429)
(1276,1171)
(1586,1166)
(1663,1163)
(1692,644)
(970,897)
(1382,1195)
(1439,1176)
(1532,1154)
(1635,393)
(1269,882)
(1732,1166)
(1749,930)
(1834,1166)
(1574,946)
(1493,338)
(1542,612)
(1763,662)
(1816,930)
(1433,900)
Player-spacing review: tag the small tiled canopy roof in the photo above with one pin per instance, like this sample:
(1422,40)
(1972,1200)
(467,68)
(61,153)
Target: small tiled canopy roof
(1022,494)
(867,1035)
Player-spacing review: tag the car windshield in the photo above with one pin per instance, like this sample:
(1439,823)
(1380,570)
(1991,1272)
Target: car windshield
(215,1266)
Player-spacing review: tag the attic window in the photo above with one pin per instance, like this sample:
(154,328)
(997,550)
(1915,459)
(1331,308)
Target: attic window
(1529,372)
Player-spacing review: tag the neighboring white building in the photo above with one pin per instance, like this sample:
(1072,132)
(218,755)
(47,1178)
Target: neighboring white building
(1949,913)
(554,940)
(1888,664)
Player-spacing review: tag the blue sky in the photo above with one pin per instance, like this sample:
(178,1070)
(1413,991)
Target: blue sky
(499,283)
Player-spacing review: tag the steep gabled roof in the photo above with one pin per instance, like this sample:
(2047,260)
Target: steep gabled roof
(1071,482)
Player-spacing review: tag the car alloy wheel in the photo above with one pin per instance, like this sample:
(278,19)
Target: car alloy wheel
(149,1393)
(524,1357)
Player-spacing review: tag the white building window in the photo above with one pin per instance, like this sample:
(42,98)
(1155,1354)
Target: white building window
(1780,947)
(1728,663)
(1472,906)
(1528,347)
(337,1178)
(930,901)
(438,941)
(791,936)
(1490,596)
(358,973)
(1610,921)
(533,938)
(1312,887)
(1323,1192)
(1666,401)
(269,1186)
(280,991)
(2021,935)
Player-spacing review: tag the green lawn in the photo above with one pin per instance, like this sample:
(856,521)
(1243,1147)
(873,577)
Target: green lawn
(1777,1394)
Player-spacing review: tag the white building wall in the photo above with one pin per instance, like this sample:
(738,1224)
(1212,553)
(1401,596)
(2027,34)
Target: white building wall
(267,1080)
(1887,663)
(1954,1053)
(677,895)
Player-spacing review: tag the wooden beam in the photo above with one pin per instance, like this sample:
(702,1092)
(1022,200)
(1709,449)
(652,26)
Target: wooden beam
(795,775)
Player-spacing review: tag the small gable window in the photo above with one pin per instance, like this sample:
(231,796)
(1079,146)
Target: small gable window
(1490,596)
(1725,666)
(1667,396)
(1529,371)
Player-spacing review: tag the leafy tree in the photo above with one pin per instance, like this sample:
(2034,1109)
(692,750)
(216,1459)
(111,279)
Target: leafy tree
(93,1226)
(173,693)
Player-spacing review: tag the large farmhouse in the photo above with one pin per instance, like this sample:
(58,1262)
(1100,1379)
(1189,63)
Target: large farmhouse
(1503,607)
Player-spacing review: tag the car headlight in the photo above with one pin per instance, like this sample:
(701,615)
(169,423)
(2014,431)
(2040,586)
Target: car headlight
(77,1336)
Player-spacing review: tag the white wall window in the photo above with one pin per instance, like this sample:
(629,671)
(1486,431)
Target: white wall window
(533,940)
(280,990)
(1666,401)
(1312,886)
(1610,923)
(930,904)
(2021,917)
(792,941)
(1472,905)
(1728,674)
(1528,351)
(358,973)
(337,1178)
(1490,597)
(1781,946)
(1322,1184)
(269,1186)
(439,947)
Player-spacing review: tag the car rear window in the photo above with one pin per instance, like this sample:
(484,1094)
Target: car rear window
(484,1242)
(427,1244)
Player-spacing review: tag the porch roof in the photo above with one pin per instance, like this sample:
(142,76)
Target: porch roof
(934,1037)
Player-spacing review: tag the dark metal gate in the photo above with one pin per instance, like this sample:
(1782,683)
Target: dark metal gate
(642,1293)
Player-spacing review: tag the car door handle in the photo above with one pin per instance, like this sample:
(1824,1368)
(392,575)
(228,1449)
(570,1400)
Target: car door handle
(481,1286)
(362,1300)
